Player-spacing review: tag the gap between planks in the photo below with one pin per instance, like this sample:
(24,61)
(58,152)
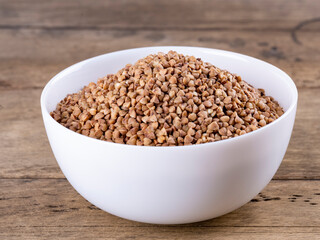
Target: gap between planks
(149,28)
(63,178)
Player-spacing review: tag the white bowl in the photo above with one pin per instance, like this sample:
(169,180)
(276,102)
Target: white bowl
(171,185)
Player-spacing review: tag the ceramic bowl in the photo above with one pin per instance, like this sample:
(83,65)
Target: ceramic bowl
(171,185)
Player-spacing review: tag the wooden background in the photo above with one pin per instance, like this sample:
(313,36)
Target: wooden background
(40,38)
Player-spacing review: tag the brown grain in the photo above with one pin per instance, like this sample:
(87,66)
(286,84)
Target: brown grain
(167,100)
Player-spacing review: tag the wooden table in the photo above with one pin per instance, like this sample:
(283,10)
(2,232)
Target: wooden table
(40,38)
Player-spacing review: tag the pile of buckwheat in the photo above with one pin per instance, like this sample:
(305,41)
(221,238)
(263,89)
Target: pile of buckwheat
(167,100)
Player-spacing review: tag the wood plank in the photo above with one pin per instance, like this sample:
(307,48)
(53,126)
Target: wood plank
(24,148)
(144,14)
(25,153)
(52,206)
(54,50)
(147,233)
(29,58)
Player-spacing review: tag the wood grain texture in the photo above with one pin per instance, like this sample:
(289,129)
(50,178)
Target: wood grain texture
(29,58)
(149,233)
(23,198)
(28,154)
(40,38)
(144,14)
(34,208)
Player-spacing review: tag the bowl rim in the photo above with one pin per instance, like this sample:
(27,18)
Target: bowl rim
(66,71)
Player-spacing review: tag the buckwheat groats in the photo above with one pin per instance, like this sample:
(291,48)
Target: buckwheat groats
(167,100)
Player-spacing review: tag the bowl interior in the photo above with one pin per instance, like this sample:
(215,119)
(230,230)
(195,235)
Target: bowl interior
(256,72)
